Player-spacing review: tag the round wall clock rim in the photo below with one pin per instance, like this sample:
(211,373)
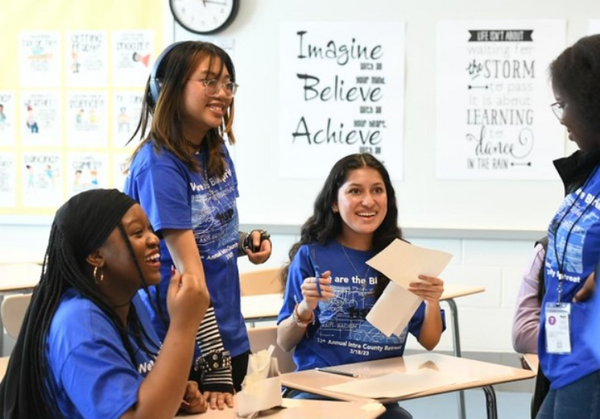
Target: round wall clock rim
(229,21)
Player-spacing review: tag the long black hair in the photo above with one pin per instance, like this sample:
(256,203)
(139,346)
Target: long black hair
(325,225)
(81,225)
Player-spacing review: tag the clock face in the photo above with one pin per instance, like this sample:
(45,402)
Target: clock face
(204,16)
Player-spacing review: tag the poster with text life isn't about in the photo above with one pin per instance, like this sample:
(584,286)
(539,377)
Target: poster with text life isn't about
(493,99)
(341,92)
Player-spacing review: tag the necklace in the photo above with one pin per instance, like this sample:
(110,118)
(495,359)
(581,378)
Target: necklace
(363,278)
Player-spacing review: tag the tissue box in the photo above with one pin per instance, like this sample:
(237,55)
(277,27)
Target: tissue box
(259,393)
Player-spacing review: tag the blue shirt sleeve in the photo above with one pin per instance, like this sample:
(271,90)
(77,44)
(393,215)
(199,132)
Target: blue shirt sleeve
(162,189)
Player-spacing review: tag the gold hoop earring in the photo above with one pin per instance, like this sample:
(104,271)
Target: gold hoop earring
(95,275)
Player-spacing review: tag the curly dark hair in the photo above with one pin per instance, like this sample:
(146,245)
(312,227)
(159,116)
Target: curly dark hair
(325,225)
(575,73)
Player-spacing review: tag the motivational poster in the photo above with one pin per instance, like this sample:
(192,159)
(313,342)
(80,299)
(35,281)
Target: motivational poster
(42,179)
(41,119)
(8,118)
(341,92)
(131,57)
(8,169)
(86,171)
(39,59)
(87,119)
(86,59)
(127,108)
(493,99)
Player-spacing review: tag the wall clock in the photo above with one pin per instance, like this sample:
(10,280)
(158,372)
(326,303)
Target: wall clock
(204,16)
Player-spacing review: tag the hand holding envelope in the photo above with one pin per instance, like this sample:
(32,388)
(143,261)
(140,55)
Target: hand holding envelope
(403,263)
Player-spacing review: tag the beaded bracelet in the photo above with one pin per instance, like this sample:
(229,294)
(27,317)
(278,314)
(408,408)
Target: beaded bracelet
(302,323)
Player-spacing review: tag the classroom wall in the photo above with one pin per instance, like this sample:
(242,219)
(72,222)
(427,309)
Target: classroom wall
(492,251)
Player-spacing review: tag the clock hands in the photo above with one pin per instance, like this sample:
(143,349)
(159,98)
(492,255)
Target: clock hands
(213,2)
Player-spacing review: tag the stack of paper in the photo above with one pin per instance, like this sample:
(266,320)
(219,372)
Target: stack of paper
(402,263)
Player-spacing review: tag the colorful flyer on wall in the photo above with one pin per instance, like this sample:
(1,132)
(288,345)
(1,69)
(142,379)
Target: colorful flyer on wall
(8,118)
(41,119)
(341,92)
(493,97)
(8,180)
(127,108)
(39,59)
(86,171)
(86,59)
(120,164)
(42,180)
(131,57)
(87,119)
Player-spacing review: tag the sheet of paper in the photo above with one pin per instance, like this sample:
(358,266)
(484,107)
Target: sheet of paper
(396,384)
(403,262)
(393,310)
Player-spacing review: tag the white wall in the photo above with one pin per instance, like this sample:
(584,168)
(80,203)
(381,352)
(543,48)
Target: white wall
(492,258)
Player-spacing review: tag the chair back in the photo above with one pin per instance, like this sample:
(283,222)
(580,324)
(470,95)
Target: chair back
(13,312)
(263,281)
(262,338)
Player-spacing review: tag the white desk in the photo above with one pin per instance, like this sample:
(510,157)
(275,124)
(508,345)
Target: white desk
(267,306)
(261,307)
(313,409)
(468,373)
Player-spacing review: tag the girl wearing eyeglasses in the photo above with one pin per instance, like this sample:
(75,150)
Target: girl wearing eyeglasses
(183,176)
(570,318)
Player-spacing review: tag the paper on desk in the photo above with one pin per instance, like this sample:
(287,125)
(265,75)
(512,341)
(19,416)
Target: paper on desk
(393,310)
(396,384)
(403,262)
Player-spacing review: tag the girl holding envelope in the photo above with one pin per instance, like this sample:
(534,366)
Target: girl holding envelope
(329,287)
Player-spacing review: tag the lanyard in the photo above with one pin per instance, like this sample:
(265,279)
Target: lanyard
(560,262)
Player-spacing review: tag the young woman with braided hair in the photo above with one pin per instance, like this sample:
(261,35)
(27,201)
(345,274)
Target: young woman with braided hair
(87,348)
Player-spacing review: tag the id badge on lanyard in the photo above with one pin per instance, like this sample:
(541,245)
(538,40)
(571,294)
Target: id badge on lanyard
(558,328)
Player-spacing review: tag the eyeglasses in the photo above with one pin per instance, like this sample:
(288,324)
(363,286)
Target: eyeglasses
(558,109)
(212,87)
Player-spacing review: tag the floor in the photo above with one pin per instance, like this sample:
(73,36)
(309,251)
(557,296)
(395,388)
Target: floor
(511,405)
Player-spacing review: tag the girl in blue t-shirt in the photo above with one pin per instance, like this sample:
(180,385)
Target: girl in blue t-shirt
(570,311)
(86,348)
(355,217)
(183,176)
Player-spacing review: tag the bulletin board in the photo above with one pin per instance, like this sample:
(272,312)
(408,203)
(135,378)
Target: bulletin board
(71,89)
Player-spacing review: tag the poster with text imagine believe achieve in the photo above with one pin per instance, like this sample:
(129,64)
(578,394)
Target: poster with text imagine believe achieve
(341,92)
(493,99)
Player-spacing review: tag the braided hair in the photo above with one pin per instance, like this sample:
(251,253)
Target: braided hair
(80,226)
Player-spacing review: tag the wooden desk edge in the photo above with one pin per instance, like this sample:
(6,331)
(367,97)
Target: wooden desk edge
(532,361)
(462,291)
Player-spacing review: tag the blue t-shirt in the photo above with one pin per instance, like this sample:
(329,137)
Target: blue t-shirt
(175,197)
(92,374)
(341,334)
(576,228)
